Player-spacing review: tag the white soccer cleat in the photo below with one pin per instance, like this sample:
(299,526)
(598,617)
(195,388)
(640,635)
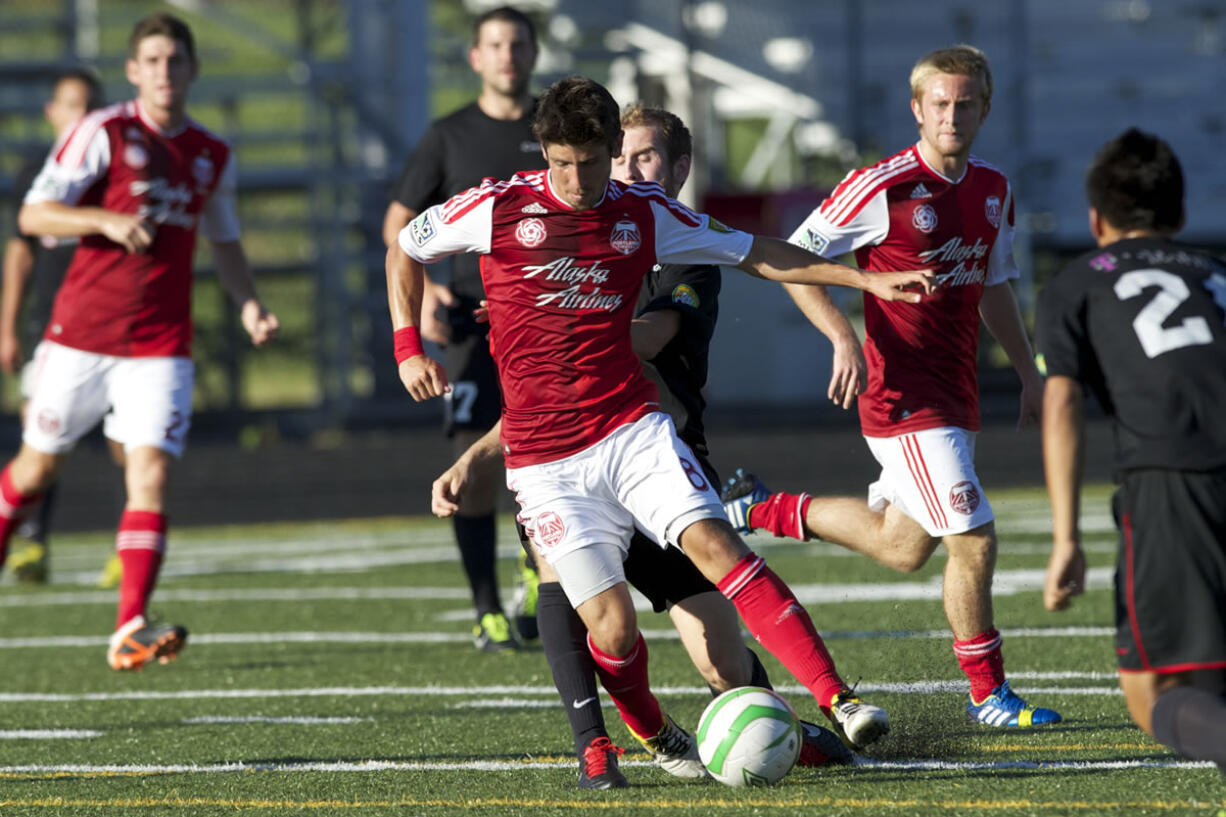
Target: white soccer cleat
(858,723)
(675,751)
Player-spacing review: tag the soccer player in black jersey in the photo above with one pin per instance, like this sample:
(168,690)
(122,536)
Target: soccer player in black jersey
(671,333)
(1141,323)
(30,265)
(489,137)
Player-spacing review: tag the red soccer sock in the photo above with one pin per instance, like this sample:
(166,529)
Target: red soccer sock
(14,508)
(782,514)
(140,544)
(781,625)
(982,662)
(625,679)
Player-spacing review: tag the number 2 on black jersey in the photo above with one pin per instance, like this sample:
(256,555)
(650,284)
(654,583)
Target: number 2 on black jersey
(1155,338)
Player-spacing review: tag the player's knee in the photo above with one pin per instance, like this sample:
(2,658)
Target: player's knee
(713,547)
(615,636)
(33,471)
(912,553)
(976,549)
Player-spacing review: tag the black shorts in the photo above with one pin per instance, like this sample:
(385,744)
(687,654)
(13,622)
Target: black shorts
(1170,578)
(475,400)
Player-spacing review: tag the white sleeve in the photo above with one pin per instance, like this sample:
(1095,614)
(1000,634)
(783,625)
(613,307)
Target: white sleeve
(1001,264)
(686,237)
(73,167)
(219,219)
(430,237)
(870,225)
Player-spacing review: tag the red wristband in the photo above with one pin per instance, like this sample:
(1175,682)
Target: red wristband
(407,343)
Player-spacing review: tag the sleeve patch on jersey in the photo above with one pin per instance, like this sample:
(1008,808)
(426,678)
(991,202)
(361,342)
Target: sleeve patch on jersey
(815,241)
(717,225)
(991,209)
(685,294)
(422,229)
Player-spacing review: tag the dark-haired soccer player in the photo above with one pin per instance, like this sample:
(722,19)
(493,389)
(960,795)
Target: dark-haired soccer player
(588,453)
(1141,322)
(491,137)
(29,259)
(671,332)
(933,203)
(136,182)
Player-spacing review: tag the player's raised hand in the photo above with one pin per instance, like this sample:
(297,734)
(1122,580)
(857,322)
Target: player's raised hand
(446,490)
(1066,577)
(901,286)
(423,378)
(128,230)
(260,324)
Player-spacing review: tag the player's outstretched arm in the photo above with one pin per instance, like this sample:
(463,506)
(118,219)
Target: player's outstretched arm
(777,260)
(446,491)
(18,264)
(128,230)
(423,377)
(1000,313)
(1063,447)
(848,373)
(234,273)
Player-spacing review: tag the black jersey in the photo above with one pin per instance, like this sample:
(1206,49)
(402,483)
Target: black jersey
(680,369)
(456,153)
(51,259)
(1142,322)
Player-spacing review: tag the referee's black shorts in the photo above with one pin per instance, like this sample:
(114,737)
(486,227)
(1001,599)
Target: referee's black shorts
(475,400)
(1170,579)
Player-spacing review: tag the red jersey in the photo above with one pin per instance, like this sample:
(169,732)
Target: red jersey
(136,305)
(562,285)
(900,214)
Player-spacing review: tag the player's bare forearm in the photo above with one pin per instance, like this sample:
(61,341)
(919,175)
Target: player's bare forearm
(396,219)
(234,274)
(53,218)
(405,282)
(651,332)
(777,260)
(18,264)
(849,372)
(446,491)
(999,310)
(1063,446)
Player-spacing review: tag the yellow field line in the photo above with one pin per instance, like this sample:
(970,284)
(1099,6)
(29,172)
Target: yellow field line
(1067,747)
(619,803)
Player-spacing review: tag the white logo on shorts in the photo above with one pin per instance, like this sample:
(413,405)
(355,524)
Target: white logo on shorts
(964,497)
(549,529)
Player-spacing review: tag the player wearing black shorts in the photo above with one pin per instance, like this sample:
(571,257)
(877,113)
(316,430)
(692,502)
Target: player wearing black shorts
(33,271)
(675,318)
(489,137)
(1141,322)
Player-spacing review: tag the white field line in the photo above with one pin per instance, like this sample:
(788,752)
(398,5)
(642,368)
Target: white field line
(349,637)
(489,692)
(48,734)
(1005,583)
(542,764)
(297,721)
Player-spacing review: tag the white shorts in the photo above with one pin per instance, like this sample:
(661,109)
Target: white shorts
(582,510)
(930,475)
(146,401)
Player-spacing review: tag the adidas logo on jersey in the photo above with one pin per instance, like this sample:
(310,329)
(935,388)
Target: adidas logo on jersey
(920,192)
(533,209)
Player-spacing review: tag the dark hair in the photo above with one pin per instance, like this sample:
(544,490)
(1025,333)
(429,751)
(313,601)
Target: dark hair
(1136,183)
(577,111)
(88,78)
(677,139)
(162,24)
(505,14)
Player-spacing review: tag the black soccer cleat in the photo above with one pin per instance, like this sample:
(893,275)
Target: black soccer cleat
(598,766)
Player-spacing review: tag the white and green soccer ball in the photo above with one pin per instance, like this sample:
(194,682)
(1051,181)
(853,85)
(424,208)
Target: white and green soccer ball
(749,737)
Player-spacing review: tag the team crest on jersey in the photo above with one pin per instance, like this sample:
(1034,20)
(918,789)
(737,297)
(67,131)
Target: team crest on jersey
(685,294)
(991,209)
(964,497)
(135,156)
(549,529)
(533,209)
(530,232)
(421,229)
(202,170)
(625,237)
(924,218)
(920,192)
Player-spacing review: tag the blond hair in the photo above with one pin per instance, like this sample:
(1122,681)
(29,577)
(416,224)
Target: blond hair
(962,60)
(677,139)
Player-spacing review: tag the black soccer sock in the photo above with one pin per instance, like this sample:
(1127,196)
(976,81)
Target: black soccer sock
(477,539)
(564,639)
(757,674)
(40,524)
(1192,722)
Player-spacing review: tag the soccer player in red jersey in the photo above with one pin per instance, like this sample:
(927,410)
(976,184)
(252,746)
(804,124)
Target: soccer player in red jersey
(932,204)
(588,453)
(135,181)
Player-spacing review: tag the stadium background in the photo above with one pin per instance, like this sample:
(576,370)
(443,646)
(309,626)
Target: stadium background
(324,99)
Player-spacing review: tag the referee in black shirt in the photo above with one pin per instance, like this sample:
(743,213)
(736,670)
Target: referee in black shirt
(489,137)
(1141,322)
